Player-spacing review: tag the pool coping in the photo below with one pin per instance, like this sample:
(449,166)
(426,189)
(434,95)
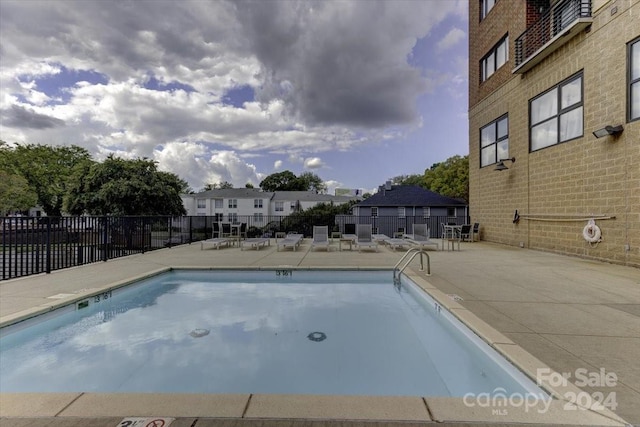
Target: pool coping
(560,409)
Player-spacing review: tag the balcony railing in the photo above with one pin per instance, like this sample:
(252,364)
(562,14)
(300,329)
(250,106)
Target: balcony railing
(546,35)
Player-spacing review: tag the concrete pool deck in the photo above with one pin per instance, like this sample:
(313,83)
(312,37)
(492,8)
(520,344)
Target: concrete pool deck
(575,316)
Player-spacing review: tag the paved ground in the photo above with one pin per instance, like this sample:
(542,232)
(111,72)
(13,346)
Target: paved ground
(577,316)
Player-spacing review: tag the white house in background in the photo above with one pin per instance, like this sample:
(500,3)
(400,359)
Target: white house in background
(235,204)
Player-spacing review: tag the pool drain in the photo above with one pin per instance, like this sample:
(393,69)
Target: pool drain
(317,336)
(199,333)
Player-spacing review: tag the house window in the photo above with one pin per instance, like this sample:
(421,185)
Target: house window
(279,206)
(485,7)
(293,206)
(233,203)
(258,217)
(451,213)
(257,203)
(401,212)
(374,212)
(201,203)
(426,212)
(218,203)
(218,217)
(374,230)
(556,115)
(494,141)
(496,58)
(233,218)
(634,80)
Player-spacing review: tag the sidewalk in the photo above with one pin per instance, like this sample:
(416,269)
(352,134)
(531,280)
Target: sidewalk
(577,316)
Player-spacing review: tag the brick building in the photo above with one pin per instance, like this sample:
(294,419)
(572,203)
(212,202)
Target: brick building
(543,76)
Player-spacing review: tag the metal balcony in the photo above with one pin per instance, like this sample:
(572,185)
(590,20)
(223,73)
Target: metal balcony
(555,28)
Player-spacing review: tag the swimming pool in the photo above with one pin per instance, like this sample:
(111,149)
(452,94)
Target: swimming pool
(282,331)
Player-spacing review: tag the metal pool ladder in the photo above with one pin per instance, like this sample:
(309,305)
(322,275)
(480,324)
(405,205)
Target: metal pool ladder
(410,254)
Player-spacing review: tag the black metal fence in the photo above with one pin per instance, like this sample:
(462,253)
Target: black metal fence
(32,245)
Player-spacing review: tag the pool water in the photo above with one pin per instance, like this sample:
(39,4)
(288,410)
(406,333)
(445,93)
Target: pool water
(293,332)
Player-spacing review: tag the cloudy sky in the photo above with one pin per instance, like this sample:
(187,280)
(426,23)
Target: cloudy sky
(354,91)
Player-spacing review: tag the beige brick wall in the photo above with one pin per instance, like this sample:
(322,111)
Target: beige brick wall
(585,176)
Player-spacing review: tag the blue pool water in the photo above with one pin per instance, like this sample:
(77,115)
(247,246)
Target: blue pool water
(307,332)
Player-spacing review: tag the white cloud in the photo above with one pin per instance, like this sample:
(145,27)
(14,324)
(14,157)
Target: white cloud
(325,79)
(200,167)
(453,37)
(313,163)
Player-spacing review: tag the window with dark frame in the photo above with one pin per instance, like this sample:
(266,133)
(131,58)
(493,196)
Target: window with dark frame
(496,58)
(485,7)
(494,141)
(634,80)
(374,212)
(556,115)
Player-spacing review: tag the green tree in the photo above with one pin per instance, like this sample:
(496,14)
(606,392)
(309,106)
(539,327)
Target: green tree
(47,170)
(217,186)
(312,182)
(414,179)
(125,187)
(449,178)
(15,193)
(288,181)
(280,181)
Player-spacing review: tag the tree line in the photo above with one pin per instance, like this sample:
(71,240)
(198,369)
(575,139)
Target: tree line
(67,179)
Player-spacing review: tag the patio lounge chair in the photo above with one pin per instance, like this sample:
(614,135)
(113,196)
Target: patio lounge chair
(364,238)
(420,237)
(465,232)
(292,240)
(216,229)
(216,242)
(475,232)
(255,243)
(320,237)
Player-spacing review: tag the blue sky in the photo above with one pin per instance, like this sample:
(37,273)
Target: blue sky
(355,91)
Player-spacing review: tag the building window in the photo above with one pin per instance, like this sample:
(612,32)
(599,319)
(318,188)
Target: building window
(218,217)
(494,141)
(374,212)
(233,203)
(485,7)
(218,203)
(557,115)
(495,59)
(451,213)
(201,203)
(426,212)
(279,206)
(233,218)
(258,217)
(257,203)
(401,212)
(293,206)
(634,80)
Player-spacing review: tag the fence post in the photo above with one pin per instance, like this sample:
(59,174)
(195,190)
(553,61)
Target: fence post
(48,240)
(105,235)
(190,230)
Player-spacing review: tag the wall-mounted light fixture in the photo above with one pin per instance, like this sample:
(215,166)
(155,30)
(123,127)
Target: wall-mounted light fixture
(501,166)
(608,130)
